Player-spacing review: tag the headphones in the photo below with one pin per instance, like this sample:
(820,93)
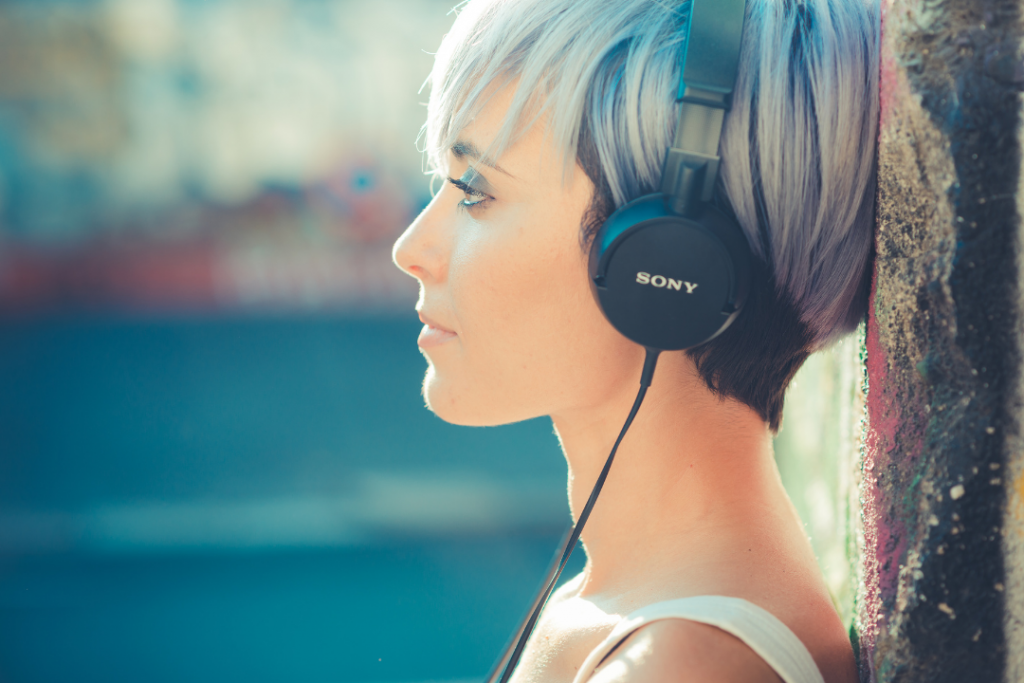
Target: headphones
(669,270)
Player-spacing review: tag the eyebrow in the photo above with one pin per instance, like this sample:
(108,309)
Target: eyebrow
(462,149)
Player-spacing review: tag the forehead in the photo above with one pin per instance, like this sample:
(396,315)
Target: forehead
(480,141)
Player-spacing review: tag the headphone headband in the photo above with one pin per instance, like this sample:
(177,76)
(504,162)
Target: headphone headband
(711,55)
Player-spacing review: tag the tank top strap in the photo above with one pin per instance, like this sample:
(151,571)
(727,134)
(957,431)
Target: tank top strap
(761,631)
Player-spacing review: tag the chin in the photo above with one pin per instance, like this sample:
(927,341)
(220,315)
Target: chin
(463,408)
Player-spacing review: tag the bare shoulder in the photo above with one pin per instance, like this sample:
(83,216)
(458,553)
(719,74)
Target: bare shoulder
(683,651)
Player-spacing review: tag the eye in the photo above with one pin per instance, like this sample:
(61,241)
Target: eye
(473,198)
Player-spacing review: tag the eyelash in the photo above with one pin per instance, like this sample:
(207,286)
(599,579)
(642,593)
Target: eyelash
(470,192)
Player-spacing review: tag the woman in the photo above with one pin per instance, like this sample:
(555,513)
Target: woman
(544,117)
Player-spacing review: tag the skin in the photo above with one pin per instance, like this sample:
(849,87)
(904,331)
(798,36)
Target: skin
(694,504)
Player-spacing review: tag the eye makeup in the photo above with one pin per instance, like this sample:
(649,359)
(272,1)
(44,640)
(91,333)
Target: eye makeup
(475,181)
(473,196)
(474,186)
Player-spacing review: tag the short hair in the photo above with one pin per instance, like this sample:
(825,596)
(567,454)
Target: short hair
(798,146)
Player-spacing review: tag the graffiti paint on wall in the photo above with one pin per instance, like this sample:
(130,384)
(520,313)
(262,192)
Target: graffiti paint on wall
(942,345)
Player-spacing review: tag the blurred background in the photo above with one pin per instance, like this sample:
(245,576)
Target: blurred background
(215,463)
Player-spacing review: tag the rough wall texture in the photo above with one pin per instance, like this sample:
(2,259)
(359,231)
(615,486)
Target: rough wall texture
(941,488)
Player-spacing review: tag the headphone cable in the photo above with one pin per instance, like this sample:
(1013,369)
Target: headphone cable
(506,664)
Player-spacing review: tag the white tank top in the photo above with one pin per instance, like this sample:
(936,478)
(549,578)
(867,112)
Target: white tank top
(762,632)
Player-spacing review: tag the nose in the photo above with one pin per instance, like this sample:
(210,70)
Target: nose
(421,251)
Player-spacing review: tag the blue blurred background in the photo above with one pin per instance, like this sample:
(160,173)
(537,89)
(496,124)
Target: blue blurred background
(215,463)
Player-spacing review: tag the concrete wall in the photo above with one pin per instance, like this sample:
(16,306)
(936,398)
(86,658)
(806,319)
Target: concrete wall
(943,555)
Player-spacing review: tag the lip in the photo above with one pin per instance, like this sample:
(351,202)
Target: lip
(433,333)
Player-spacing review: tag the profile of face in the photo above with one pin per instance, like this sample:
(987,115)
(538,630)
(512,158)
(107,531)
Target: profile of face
(511,328)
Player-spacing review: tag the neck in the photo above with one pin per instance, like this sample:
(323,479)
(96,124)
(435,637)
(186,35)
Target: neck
(693,468)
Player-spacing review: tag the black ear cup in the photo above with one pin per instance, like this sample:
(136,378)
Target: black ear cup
(665,281)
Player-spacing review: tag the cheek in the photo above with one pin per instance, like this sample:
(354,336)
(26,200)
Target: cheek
(531,332)
(516,283)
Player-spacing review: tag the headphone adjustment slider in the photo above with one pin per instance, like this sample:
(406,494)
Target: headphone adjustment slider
(689,180)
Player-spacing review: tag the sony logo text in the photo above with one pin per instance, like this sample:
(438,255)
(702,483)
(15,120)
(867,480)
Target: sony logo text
(662,281)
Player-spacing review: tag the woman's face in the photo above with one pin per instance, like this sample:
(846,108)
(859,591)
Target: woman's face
(511,329)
